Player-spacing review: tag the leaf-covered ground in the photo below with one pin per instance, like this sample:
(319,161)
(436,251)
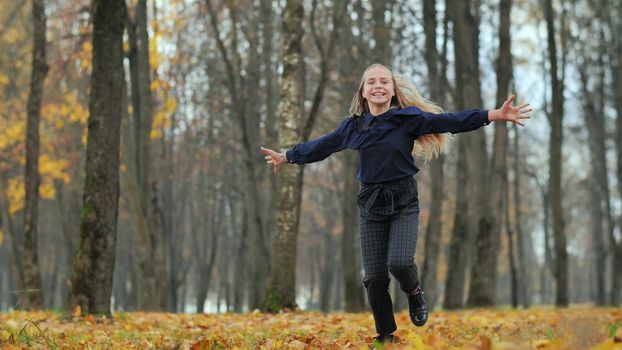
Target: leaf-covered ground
(574,328)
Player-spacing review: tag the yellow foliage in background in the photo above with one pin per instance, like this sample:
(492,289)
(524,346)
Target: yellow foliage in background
(1,237)
(15,194)
(161,119)
(68,110)
(154,55)
(85,56)
(54,169)
(3,80)
(13,35)
(12,132)
(50,170)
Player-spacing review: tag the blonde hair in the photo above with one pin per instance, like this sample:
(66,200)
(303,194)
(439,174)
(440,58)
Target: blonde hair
(406,94)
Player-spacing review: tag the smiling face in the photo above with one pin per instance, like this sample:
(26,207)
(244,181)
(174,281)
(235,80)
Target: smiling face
(378,87)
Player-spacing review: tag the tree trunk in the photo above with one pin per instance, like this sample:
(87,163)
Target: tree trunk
(250,83)
(520,234)
(206,266)
(459,244)
(488,197)
(239,270)
(152,295)
(91,280)
(328,272)
(598,184)
(31,292)
(616,261)
(433,231)
(354,293)
(269,74)
(280,293)
(281,289)
(511,257)
(350,240)
(471,199)
(555,163)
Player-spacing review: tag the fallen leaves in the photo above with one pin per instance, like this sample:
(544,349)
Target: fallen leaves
(481,329)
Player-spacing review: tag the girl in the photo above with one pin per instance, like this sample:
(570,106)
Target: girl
(390,120)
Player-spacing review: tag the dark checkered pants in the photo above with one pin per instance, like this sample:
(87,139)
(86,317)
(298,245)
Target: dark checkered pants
(389,216)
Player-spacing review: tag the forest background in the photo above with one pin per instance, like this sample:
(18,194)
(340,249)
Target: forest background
(508,216)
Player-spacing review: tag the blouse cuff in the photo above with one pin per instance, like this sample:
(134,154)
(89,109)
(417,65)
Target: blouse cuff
(483,117)
(289,156)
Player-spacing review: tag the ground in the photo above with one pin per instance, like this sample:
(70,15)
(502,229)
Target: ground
(536,328)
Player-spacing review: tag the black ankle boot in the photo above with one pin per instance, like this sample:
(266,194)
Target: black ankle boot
(418,309)
(383,339)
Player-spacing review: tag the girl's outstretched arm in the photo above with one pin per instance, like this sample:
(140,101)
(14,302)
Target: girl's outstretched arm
(311,151)
(463,121)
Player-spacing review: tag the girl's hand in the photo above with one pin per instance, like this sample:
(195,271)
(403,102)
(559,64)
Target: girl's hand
(509,113)
(273,157)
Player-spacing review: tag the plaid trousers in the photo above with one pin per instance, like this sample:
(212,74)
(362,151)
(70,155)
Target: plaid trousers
(389,218)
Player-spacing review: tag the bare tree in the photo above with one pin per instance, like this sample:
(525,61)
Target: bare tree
(521,280)
(484,269)
(91,280)
(437,94)
(281,289)
(555,160)
(616,262)
(153,283)
(280,292)
(31,292)
(471,214)
(349,65)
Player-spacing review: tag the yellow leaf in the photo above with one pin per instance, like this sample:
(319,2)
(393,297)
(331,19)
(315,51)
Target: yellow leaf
(154,85)
(12,35)
(155,134)
(1,239)
(85,135)
(84,64)
(47,190)
(87,46)
(14,133)
(64,110)
(16,193)
(77,311)
(170,104)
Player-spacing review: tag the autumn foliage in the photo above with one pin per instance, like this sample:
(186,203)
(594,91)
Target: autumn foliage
(575,328)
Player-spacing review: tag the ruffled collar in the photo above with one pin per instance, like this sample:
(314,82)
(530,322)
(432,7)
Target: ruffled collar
(369,119)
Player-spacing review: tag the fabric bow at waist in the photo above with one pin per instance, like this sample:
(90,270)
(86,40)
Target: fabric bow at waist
(373,191)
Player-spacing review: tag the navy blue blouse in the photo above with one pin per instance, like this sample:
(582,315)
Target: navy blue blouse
(385,142)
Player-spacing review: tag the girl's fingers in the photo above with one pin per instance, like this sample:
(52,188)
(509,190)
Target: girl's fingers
(267,151)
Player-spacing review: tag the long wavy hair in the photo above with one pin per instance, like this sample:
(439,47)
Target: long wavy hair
(406,94)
